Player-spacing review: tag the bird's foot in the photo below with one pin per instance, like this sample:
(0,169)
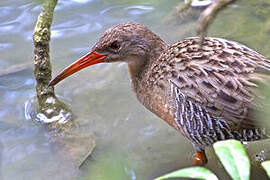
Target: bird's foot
(200,159)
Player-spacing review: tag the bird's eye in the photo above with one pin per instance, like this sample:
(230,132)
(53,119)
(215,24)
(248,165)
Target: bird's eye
(115,45)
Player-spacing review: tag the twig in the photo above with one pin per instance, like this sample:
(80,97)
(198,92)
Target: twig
(208,15)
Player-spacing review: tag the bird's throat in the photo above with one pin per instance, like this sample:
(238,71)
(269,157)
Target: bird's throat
(136,65)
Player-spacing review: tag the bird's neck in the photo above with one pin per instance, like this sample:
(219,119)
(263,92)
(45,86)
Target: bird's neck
(140,67)
(141,73)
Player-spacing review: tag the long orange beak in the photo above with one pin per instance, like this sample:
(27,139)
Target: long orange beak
(87,60)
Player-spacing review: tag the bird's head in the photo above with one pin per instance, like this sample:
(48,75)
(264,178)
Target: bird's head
(128,42)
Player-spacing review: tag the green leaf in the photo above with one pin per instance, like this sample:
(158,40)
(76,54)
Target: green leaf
(266,167)
(191,172)
(233,156)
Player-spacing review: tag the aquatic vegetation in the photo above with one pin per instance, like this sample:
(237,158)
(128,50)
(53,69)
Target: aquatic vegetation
(232,155)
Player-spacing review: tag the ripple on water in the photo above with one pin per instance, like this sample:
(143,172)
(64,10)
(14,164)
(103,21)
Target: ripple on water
(4,11)
(20,20)
(62,118)
(17,80)
(30,110)
(61,5)
(82,1)
(139,10)
(5,45)
(121,11)
(69,30)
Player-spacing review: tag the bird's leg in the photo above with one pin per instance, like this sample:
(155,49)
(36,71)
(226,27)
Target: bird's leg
(200,157)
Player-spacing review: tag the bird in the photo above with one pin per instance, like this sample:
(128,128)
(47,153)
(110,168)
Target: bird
(206,92)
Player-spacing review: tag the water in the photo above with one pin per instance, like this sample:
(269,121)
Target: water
(132,143)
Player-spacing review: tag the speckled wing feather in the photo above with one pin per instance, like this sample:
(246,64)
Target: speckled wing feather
(221,77)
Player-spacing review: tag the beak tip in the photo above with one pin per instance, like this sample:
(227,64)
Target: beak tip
(51,83)
(89,59)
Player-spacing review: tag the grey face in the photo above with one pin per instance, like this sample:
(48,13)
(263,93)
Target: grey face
(122,42)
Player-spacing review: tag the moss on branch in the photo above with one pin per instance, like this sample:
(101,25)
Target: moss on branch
(50,109)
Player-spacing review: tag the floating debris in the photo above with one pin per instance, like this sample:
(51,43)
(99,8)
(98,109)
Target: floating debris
(199,3)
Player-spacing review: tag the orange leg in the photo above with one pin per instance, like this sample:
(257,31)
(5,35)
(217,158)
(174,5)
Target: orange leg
(200,159)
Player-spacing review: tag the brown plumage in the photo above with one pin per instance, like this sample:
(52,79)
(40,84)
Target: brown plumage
(207,94)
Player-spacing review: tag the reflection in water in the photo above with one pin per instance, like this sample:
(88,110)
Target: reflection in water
(131,142)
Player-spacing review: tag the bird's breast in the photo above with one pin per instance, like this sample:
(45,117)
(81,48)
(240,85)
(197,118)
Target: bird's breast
(157,101)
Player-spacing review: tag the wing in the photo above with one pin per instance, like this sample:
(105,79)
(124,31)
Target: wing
(221,76)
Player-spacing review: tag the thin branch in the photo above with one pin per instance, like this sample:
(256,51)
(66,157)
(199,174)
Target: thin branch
(50,109)
(208,15)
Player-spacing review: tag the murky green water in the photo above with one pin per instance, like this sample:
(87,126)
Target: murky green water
(131,142)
